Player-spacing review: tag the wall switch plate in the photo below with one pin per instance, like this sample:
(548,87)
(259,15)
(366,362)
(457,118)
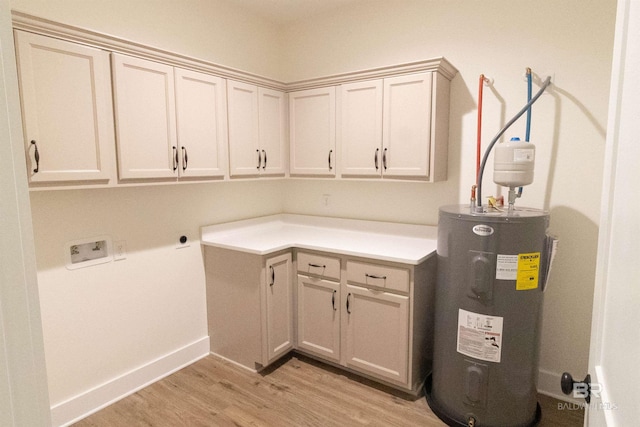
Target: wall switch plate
(119,250)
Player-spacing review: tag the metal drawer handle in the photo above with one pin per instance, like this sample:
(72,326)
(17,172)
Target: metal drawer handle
(36,156)
(317,265)
(333,300)
(373,276)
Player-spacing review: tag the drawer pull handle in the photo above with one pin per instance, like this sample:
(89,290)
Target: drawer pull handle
(333,300)
(348,299)
(373,276)
(36,156)
(273,275)
(317,265)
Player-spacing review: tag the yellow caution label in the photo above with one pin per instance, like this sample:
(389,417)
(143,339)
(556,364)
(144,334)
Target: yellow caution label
(528,268)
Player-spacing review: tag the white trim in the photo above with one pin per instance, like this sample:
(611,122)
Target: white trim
(91,401)
(26,22)
(23,380)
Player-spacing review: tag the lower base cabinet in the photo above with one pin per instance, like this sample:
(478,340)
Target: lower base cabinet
(318,317)
(377,333)
(371,317)
(249,306)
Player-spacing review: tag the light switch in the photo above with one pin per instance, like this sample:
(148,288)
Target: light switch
(119,250)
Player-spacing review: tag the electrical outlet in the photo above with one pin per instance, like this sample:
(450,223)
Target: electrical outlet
(119,250)
(325,200)
(183,240)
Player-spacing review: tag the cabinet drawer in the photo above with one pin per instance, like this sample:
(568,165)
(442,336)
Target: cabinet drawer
(380,276)
(319,265)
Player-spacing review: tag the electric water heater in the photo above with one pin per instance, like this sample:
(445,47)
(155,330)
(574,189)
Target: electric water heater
(492,269)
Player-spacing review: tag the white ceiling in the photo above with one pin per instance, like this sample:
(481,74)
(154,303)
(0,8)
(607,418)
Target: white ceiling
(286,11)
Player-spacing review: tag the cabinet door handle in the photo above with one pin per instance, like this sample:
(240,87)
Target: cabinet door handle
(333,300)
(375,158)
(36,156)
(330,153)
(175,158)
(259,159)
(185,158)
(373,276)
(264,156)
(384,159)
(273,275)
(348,299)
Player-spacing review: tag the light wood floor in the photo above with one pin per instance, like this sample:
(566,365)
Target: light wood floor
(297,392)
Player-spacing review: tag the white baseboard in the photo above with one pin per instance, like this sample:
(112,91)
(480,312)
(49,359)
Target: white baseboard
(549,385)
(85,404)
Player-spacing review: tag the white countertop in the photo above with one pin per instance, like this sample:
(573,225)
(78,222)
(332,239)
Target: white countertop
(386,241)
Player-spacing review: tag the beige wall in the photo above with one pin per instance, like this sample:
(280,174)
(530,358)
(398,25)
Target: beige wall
(153,302)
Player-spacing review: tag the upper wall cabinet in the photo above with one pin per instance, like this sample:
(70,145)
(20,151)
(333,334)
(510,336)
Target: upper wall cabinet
(406,126)
(145,118)
(67,112)
(360,124)
(312,132)
(395,127)
(169,122)
(139,115)
(257,130)
(201,113)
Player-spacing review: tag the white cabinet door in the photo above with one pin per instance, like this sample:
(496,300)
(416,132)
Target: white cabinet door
(279,307)
(201,119)
(245,157)
(319,317)
(360,134)
(145,118)
(312,124)
(272,118)
(67,110)
(406,136)
(377,333)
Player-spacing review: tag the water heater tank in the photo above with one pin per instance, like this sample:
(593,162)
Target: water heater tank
(488,304)
(513,163)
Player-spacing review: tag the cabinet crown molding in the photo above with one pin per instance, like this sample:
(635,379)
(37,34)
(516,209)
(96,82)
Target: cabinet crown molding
(27,22)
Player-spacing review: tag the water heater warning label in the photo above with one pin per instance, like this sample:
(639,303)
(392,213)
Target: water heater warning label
(479,336)
(523,268)
(528,268)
